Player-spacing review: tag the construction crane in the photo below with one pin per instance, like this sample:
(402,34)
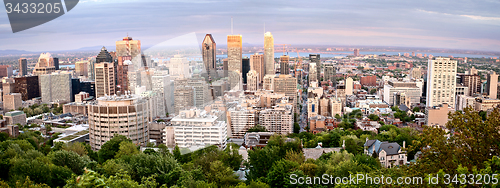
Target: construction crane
(284,47)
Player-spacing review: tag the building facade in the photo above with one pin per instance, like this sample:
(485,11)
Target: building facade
(123,115)
(441,81)
(269,53)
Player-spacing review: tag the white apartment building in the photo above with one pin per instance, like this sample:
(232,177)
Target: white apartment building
(441,81)
(277,120)
(240,119)
(195,128)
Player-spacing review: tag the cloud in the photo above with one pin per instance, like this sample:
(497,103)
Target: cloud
(474,17)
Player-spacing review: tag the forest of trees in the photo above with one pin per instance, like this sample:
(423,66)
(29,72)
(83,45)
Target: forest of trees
(470,147)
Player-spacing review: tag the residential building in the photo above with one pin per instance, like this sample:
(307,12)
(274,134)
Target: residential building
(492,85)
(118,115)
(368,80)
(441,81)
(253,80)
(329,73)
(197,129)
(464,101)
(349,86)
(278,119)
(183,97)
(240,119)
(313,74)
(336,107)
(257,64)
(269,82)
(389,154)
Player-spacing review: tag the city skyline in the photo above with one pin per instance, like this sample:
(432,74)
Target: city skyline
(439,24)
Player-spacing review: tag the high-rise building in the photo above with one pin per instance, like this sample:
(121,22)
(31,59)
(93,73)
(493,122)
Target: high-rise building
(190,124)
(56,63)
(441,81)
(183,96)
(81,68)
(91,69)
(269,54)
(472,80)
(56,87)
(103,56)
(348,86)
(179,67)
(23,67)
(122,75)
(28,87)
(105,79)
(225,67)
(45,64)
(163,84)
(132,122)
(12,101)
(288,85)
(209,52)
(269,82)
(336,106)
(240,119)
(315,58)
(253,80)
(356,52)
(8,86)
(245,67)
(5,71)
(492,85)
(284,67)
(410,89)
(329,74)
(313,76)
(128,47)
(257,64)
(234,56)
(201,91)
(278,119)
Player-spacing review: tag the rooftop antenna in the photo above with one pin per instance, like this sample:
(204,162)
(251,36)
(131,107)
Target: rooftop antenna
(231,25)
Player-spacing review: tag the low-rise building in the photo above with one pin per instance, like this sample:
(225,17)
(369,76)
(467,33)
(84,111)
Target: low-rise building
(15,117)
(389,154)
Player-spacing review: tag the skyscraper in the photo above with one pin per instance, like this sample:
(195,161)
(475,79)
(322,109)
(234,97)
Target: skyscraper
(492,85)
(5,71)
(104,79)
(56,87)
(27,86)
(269,53)
(284,67)
(315,58)
(81,68)
(45,64)
(441,81)
(313,75)
(257,64)
(348,86)
(253,80)
(245,67)
(234,52)
(330,73)
(23,67)
(128,47)
(103,125)
(209,52)
(356,52)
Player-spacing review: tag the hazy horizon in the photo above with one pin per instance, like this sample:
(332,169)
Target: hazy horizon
(452,25)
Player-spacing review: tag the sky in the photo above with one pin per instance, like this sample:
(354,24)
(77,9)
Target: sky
(457,24)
